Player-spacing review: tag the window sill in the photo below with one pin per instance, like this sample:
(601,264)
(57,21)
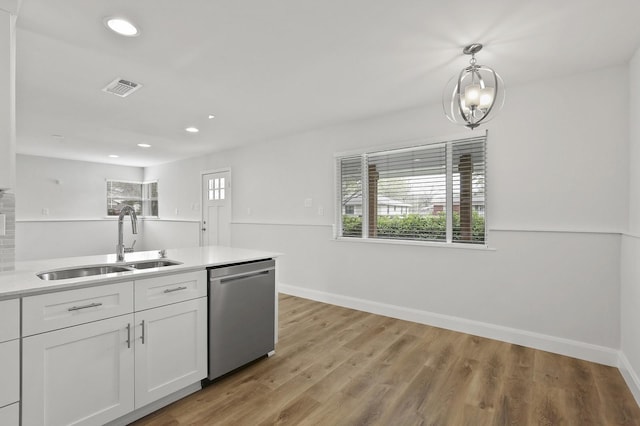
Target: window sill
(482,247)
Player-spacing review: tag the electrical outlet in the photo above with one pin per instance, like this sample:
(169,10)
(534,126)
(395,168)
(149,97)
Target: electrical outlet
(45,212)
(308,202)
(320,211)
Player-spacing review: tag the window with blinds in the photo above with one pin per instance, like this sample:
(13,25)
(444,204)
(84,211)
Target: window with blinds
(431,193)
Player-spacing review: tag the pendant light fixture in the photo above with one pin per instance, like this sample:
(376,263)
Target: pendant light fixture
(475,95)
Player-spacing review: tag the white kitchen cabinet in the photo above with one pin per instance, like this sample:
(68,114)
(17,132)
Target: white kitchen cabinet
(9,362)
(170,349)
(79,375)
(167,289)
(9,372)
(92,355)
(9,319)
(10,415)
(52,311)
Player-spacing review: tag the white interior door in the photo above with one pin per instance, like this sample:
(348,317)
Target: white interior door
(216,208)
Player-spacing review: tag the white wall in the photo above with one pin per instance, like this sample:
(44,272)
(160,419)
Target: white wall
(38,239)
(178,188)
(557,177)
(164,234)
(68,189)
(630,261)
(74,194)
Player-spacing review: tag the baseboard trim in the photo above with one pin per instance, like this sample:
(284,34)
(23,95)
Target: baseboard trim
(562,346)
(155,406)
(630,376)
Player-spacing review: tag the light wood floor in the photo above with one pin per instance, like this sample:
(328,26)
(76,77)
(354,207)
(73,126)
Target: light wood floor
(336,366)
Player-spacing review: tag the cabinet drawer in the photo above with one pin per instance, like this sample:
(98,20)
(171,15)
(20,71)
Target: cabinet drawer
(9,373)
(9,319)
(52,311)
(167,289)
(10,415)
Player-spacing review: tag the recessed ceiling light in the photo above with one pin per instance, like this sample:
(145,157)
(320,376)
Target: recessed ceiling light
(192,129)
(144,145)
(211,116)
(113,156)
(122,27)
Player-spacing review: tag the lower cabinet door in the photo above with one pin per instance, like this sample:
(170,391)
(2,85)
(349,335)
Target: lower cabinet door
(171,349)
(10,415)
(79,375)
(9,372)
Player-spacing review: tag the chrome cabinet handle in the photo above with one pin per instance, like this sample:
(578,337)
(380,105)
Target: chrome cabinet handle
(142,337)
(90,305)
(171,290)
(129,335)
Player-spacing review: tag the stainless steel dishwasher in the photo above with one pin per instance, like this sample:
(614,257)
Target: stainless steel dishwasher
(241,314)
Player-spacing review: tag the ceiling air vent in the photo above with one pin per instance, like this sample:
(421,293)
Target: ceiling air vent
(122,88)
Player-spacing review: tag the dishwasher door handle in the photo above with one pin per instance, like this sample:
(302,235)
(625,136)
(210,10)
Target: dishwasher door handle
(243,276)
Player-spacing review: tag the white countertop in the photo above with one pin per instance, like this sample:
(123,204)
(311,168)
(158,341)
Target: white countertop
(23,280)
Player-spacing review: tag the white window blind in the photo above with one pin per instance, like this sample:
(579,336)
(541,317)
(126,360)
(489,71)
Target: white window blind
(431,193)
(350,199)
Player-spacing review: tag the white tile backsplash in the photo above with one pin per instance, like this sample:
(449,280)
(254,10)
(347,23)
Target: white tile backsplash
(8,240)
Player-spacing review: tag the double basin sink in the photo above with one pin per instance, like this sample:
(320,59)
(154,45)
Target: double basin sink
(109,268)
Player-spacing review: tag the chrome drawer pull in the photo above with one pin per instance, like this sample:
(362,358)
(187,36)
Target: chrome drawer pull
(142,324)
(128,335)
(171,290)
(90,305)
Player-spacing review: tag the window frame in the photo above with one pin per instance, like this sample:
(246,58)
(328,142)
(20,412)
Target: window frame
(145,197)
(448,143)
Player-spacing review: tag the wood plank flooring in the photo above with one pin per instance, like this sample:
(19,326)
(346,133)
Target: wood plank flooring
(337,366)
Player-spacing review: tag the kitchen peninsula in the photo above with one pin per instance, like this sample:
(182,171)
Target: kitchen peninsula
(108,347)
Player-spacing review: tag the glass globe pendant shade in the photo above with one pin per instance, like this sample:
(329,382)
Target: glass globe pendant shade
(475,95)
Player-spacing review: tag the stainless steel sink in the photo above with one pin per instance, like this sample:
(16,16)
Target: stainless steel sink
(147,264)
(82,271)
(87,271)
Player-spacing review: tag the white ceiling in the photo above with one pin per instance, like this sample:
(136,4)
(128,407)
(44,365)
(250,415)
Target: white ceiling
(269,68)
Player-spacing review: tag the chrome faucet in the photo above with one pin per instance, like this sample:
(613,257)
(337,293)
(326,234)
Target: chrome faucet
(134,229)
(130,249)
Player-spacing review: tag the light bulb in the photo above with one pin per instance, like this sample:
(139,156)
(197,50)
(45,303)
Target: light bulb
(486,97)
(472,95)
